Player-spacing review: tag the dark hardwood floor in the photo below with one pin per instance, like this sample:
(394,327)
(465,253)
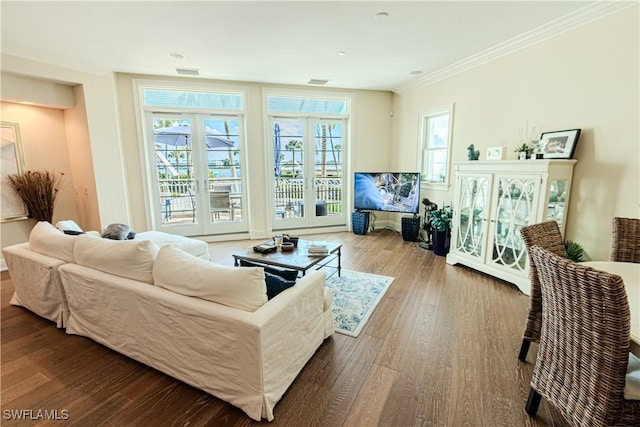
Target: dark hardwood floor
(440,350)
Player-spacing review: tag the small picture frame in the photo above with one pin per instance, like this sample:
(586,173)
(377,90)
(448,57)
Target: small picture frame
(559,144)
(495,153)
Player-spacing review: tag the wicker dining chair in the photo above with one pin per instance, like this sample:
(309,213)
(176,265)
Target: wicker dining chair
(625,242)
(546,235)
(584,345)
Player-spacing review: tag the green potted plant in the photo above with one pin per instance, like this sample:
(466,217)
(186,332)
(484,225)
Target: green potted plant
(441,229)
(525,151)
(575,251)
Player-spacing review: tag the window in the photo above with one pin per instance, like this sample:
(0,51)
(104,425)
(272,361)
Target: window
(435,142)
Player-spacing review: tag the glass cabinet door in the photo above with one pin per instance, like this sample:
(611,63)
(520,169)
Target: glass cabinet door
(472,215)
(556,202)
(515,209)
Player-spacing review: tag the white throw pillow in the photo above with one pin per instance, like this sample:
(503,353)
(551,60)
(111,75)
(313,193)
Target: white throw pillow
(183,273)
(48,240)
(124,258)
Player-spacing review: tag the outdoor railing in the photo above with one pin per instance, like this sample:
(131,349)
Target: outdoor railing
(178,195)
(289,194)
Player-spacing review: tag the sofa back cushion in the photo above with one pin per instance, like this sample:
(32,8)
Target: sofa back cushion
(124,258)
(48,240)
(183,273)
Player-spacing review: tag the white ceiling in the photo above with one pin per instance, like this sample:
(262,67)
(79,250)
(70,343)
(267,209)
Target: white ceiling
(279,41)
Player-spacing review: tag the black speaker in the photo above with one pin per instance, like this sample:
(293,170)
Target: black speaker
(410,228)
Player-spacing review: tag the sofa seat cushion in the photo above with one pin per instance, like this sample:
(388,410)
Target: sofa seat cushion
(183,273)
(47,240)
(192,246)
(125,258)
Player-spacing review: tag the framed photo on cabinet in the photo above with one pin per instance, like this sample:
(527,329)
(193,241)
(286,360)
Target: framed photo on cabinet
(495,153)
(559,144)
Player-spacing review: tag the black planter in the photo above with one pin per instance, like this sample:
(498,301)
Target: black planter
(441,241)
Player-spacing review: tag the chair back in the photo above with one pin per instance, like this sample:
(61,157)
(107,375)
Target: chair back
(584,345)
(625,241)
(219,200)
(545,235)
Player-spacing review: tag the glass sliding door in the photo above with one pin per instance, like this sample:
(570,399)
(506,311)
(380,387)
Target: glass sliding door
(198,179)
(307,172)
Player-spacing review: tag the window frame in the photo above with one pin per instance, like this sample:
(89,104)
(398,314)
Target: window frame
(425,152)
(144,127)
(345,117)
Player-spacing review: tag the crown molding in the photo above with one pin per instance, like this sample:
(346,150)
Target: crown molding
(590,13)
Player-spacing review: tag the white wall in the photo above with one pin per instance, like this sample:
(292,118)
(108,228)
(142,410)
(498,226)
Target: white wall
(588,79)
(100,108)
(44,147)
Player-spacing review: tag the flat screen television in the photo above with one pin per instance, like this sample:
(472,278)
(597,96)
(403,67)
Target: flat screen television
(387,191)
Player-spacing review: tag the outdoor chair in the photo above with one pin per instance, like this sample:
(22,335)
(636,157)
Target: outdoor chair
(220,201)
(625,242)
(546,235)
(581,366)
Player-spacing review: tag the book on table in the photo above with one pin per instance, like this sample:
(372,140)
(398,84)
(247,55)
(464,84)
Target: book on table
(318,247)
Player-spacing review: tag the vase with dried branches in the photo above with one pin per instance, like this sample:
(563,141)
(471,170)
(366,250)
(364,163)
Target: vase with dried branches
(38,190)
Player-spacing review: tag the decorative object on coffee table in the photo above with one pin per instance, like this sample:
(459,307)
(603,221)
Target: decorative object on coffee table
(287,247)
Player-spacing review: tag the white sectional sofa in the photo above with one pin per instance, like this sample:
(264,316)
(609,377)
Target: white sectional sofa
(208,325)
(34,267)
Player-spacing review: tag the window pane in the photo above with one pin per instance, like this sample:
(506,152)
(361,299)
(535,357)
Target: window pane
(328,168)
(438,131)
(179,98)
(438,165)
(224,169)
(436,147)
(173,148)
(306,105)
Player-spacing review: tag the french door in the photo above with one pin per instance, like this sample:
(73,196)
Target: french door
(307,176)
(197,184)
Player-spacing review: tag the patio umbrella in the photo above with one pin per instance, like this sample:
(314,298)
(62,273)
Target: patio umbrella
(180,135)
(277,147)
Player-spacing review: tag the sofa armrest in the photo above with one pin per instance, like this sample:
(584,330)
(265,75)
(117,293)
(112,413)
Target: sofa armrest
(36,282)
(292,329)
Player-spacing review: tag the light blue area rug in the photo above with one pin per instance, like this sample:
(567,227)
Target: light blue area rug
(355,296)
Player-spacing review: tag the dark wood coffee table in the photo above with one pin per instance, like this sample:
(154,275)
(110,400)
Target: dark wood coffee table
(299,259)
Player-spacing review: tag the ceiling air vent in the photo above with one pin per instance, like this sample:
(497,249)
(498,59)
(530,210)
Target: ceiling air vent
(188,71)
(319,82)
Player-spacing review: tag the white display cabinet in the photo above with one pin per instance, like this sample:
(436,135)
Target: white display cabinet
(493,200)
